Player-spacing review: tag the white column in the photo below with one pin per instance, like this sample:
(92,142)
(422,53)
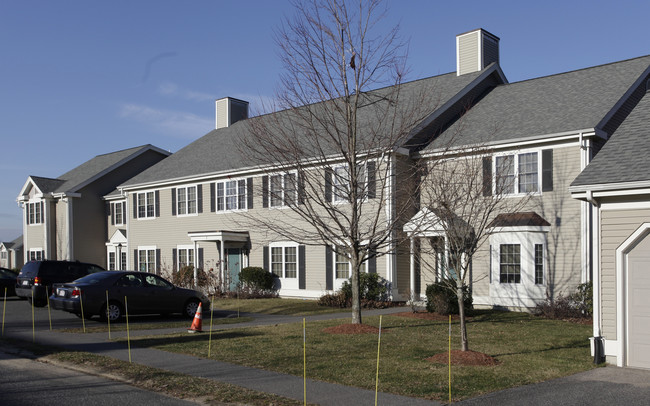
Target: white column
(196,263)
(412,274)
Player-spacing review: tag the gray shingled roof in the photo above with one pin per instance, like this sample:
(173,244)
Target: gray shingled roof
(569,101)
(220,151)
(73,179)
(624,158)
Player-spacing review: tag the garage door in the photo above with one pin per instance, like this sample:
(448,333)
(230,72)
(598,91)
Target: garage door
(638,350)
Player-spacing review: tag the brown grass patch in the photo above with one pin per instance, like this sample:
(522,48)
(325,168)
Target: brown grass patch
(464,358)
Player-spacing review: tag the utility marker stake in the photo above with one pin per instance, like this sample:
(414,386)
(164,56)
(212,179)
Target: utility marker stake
(49,312)
(304,361)
(377,377)
(128,336)
(449,353)
(81,302)
(4,310)
(33,326)
(108,315)
(210,333)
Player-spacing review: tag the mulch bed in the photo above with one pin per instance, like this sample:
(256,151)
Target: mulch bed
(464,358)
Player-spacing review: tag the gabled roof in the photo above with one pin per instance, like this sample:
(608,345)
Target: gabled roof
(14,245)
(84,174)
(220,151)
(624,158)
(567,102)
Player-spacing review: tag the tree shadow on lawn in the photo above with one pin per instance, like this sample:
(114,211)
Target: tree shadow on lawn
(570,345)
(156,341)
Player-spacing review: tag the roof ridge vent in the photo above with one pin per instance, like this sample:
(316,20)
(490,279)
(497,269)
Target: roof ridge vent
(475,50)
(230,110)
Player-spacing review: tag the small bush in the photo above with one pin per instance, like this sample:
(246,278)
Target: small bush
(442,298)
(373,289)
(256,278)
(337,299)
(574,306)
(185,277)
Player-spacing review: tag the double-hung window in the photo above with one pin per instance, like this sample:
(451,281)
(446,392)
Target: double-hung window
(341,182)
(231,195)
(510,263)
(118,213)
(186,201)
(146,205)
(147,260)
(517,173)
(185,257)
(35,213)
(36,255)
(282,189)
(284,261)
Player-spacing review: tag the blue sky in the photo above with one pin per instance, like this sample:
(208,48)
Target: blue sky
(83,78)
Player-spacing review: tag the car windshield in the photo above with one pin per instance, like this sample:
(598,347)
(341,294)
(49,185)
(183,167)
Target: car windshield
(94,278)
(7,274)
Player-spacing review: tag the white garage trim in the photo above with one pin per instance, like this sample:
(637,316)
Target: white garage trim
(621,290)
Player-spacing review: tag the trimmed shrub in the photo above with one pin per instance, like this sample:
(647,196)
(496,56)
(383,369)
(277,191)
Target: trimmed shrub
(371,286)
(255,278)
(442,298)
(336,299)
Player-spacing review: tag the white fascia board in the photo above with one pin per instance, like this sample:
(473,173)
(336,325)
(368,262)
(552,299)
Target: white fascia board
(613,189)
(23,191)
(514,143)
(519,229)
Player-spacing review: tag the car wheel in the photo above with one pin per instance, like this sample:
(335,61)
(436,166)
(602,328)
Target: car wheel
(189,310)
(113,313)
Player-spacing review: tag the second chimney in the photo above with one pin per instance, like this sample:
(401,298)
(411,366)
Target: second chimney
(475,50)
(230,110)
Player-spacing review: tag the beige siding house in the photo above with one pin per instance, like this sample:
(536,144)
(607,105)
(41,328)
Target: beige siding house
(11,254)
(64,218)
(617,185)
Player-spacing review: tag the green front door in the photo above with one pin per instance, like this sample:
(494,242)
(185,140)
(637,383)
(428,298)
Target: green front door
(233,256)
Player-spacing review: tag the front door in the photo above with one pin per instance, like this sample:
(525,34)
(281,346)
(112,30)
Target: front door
(233,257)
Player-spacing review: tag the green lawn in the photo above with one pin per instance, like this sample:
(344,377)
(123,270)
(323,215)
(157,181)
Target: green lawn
(529,350)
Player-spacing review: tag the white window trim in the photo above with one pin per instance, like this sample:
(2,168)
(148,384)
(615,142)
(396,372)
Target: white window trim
(187,207)
(178,254)
(283,202)
(216,195)
(137,199)
(122,205)
(38,253)
(147,248)
(516,154)
(344,200)
(286,283)
(37,222)
(338,282)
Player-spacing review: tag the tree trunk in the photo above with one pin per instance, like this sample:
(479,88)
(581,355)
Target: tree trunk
(356,294)
(461,315)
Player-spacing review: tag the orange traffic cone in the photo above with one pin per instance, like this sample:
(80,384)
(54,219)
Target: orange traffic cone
(198,321)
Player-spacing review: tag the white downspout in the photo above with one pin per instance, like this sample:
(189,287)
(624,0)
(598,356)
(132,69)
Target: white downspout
(412,272)
(597,319)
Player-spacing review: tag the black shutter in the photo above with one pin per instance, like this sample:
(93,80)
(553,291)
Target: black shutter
(329,268)
(372,260)
(547,170)
(301,187)
(158,261)
(109,212)
(173,201)
(174,256)
(249,193)
(213,199)
(135,260)
(265,191)
(42,214)
(372,180)
(199,198)
(487,176)
(328,184)
(265,260)
(302,283)
(135,205)
(123,212)
(157,206)
(200,262)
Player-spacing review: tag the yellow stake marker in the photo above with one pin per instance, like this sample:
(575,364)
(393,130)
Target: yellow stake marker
(304,360)
(449,352)
(210,334)
(4,309)
(83,319)
(49,312)
(377,377)
(33,327)
(128,336)
(108,315)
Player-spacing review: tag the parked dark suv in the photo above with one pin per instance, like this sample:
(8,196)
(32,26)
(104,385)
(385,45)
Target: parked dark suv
(36,277)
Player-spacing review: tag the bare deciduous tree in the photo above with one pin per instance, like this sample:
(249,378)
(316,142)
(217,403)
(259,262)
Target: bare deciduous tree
(331,151)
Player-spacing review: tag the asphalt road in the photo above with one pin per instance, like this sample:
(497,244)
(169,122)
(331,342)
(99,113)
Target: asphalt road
(27,382)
